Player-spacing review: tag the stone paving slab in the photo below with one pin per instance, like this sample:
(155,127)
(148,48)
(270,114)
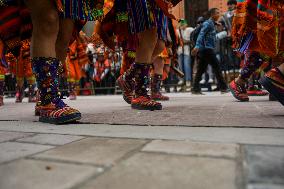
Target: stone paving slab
(14,150)
(51,139)
(98,151)
(157,171)
(204,134)
(33,174)
(193,148)
(265,164)
(9,136)
(17,111)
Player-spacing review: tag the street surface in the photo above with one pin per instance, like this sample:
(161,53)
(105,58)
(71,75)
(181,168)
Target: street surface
(195,142)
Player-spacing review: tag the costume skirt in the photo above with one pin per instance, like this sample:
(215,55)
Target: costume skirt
(145,14)
(87,10)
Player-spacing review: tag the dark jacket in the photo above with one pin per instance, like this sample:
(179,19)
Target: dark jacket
(207,36)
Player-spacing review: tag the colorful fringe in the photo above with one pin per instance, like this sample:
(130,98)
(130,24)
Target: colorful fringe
(145,14)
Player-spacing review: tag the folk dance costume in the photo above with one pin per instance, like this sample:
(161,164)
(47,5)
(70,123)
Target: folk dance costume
(136,78)
(2,75)
(258,33)
(157,79)
(47,69)
(23,70)
(2,83)
(253,86)
(76,59)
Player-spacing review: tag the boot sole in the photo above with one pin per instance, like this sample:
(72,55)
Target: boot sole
(151,108)
(266,83)
(257,94)
(62,120)
(236,97)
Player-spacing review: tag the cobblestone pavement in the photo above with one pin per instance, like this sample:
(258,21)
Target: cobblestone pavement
(196,142)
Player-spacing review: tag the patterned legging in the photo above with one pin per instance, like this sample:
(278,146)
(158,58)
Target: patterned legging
(253,62)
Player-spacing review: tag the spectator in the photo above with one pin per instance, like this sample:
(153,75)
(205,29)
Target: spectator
(101,70)
(205,52)
(230,59)
(227,18)
(184,50)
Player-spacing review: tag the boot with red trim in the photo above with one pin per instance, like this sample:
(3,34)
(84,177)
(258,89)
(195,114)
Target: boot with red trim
(19,94)
(126,84)
(32,94)
(156,94)
(51,108)
(273,82)
(1,93)
(38,107)
(238,91)
(72,93)
(254,91)
(1,100)
(141,100)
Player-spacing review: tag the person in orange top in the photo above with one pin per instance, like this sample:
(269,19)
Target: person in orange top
(102,66)
(2,83)
(11,62)
(24,71)
(76,58)
(2,73)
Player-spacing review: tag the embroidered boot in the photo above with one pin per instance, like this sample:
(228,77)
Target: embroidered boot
(32,94)
(238,91)
(51,107)
(72,93)
(141,100)
(156,94)
(19,94)
(126,84)
(273,82)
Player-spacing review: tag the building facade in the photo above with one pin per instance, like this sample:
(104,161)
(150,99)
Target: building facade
(220,4)
(192,9)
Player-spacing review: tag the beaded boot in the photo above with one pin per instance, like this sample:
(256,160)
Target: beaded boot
(32,94)
(156,94)
(126,84)
(19,94)
(72,93)
(51,108)
(141,100)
